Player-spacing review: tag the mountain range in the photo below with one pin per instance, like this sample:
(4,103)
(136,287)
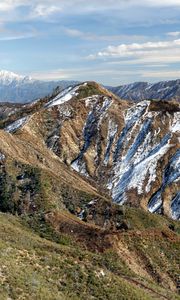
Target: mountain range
(23,89)
(164,90)
(89,195)
(16,88)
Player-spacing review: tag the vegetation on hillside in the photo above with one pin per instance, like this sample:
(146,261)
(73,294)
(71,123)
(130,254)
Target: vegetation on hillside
(32,267)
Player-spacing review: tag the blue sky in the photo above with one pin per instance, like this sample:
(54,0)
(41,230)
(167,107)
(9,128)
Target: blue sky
(111,41)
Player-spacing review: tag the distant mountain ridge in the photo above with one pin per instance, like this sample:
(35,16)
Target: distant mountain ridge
(164,90)
(22,89)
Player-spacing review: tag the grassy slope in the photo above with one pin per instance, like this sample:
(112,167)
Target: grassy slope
(35,268)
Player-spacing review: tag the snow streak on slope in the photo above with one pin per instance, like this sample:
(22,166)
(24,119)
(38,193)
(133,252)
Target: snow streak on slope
(112,130)
(135,167)
(91,129)
(129,160)
(176,123)
(2,156)
(175,207)
(65,96)
(131,175)
(171,174)
(132,116)
(16,125)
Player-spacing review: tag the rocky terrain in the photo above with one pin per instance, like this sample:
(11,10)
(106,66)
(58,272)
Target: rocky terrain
(94,183)
(164,90)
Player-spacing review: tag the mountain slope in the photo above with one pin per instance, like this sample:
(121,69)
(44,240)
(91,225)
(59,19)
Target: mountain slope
(132,152)
(16,88)
(138,91)
(66,163)
(32,267)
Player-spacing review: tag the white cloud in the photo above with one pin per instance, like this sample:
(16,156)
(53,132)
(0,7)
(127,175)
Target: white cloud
(174,33)
(42,10)
(161,2)
(8,5)
(110,76)
(95,37)
(16,37)
(94,5)
(137,49)
(82,5)
(79,73)
(9,35)
(161,74)
(10,10)
(74,32)
(58,74)
(142,53)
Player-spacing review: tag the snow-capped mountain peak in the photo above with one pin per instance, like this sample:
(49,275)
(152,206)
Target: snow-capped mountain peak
(19,88)
(7,77)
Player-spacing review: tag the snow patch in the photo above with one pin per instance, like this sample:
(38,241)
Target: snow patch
(148,165)
(155,203)
(175,127)
(90,101)
(17,124)
(2,156)
(140,161)
(175,207)
(136,109)
(65,95)
(65,111)
(79,167)
(112,130)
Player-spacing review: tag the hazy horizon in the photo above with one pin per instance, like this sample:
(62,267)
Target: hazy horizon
(58,80)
